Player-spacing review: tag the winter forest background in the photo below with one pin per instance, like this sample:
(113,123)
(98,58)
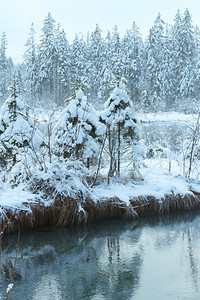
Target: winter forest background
(162,72)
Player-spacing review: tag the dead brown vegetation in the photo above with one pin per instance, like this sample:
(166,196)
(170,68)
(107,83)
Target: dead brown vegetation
(66,211)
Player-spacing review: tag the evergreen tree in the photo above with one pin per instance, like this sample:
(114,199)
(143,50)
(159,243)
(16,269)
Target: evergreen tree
(188,76)
(3,65)
(48,60)
(134,63)
(122,128)
(78,130)
(184,58)
(168,93)
(108,77)
(154,65)
(30,59)
(64,63)
(177,54)
(17,130)
(95,63)
(197,46)
(117,64)
(6,68)
(79,58)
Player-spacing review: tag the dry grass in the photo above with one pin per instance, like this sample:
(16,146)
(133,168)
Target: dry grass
(66,211)
(167,204)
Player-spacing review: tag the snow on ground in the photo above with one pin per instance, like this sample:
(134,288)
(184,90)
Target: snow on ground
(166,117)
(16,199)
(158,182)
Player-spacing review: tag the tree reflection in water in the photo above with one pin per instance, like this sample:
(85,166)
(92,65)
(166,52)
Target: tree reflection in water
(107,260)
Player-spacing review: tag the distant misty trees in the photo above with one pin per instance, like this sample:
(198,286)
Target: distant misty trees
(6,68)
(162,71)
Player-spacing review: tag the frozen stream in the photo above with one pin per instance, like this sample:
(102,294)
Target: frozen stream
(152,258)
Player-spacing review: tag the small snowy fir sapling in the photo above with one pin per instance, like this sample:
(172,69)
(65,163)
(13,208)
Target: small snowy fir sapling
(79,130)
(122,127)
(17,128)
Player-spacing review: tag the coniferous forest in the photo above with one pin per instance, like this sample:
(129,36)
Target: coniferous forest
(161,71)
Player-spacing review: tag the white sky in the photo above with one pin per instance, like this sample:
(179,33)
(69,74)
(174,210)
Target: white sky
(77,16)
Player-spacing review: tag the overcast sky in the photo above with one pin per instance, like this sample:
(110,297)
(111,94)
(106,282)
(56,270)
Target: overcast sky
(77,16)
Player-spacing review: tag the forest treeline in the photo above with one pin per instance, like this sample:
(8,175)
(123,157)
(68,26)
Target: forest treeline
(162,72)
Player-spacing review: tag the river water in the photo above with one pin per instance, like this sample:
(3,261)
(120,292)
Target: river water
(152,258)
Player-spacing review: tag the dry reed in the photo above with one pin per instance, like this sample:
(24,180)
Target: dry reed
(77,210)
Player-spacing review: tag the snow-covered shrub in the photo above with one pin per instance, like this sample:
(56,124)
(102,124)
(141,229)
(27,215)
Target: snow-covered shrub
(60,178)
(18,130)
(78,131)
(122,128)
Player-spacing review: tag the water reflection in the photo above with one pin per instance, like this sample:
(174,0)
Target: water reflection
(193,258)
(153,258)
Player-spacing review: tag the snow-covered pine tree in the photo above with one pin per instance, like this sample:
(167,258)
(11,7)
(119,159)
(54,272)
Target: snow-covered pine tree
(184,59)
(154,64)
(3,65)
(122,127)
(78,60)
(189,56)
(78,131)
(30,59)
(112,64)
(48,60)
(95,63)
(117,64)
(63,80)
(17,128)
(107,70)
(167,74)
(177,58)
(134,63)
(197,47)
(6,69)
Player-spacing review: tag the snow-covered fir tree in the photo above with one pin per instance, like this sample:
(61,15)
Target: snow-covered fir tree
(6,68)
(17,128)
(184,58)
(3,65)
(188,78)
(64,63)
(122,128)
(96,61)
(107,71)
(167,72)
(78,60)
(78,131)
(154,64)
(117,65)
(134,63)
(30,59)
(48,60)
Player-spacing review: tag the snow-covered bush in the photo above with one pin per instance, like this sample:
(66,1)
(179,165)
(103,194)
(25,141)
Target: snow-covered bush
(18,130)
(58,180)
(78,131)
(122,128)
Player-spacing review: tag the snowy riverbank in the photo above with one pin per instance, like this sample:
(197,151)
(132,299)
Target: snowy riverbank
(159,191)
